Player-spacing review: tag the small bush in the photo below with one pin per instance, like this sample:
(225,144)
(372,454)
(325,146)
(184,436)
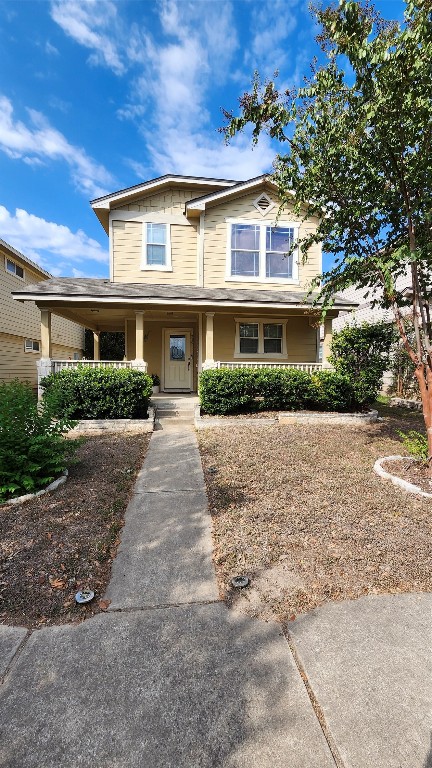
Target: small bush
(33,451)
(416,444)
(244,390)
(98,393)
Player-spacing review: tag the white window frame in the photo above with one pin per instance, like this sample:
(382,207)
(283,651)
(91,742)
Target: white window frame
(27,347)
(167,267)
(261,322)
(14,274)
(294,280)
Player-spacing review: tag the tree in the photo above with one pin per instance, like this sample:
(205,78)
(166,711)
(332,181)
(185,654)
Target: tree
(359,153)
(112,345)
(362,354)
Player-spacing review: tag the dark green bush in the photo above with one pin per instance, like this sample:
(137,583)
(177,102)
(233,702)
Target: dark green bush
(283,390)
(225,391)
(332,392)
(33,451)
(362,354)
(244,390)
(98,393)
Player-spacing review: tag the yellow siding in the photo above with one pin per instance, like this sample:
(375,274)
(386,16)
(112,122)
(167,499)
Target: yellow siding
(15,363)
(215,248)
(22,319)
(127,246)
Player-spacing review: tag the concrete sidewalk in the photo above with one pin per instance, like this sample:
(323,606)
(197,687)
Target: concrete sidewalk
(169,678)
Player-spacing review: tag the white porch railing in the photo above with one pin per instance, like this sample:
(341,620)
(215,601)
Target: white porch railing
(58,365)
(308,367)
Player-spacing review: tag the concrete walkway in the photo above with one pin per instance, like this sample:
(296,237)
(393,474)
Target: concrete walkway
(169,678)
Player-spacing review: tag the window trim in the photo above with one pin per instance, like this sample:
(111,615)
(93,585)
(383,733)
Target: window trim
(33,350)
(294,280)
(13,274)
(167,267)
(261,322)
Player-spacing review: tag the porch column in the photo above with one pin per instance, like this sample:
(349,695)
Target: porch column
(96,345)
(44,365)
(46,344)
(139,362)
(209,361)
(327,342)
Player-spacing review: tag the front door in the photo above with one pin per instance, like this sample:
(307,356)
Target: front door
(178,360)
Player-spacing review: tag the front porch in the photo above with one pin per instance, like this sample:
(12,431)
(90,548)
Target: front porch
(175,332)
(177,346)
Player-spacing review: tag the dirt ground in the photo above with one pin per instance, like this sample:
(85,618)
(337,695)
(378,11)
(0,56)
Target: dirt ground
(65,541)
(299,510)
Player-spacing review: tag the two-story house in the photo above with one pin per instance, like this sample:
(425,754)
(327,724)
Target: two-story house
(199,278)
(20,323)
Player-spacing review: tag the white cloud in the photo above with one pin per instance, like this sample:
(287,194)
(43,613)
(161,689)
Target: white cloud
(91,23)
(50,49)
(176,81)
(54,246)
(139,169)
(39,141)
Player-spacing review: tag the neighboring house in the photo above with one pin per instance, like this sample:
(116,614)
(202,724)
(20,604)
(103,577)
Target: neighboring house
(20,323)
(199,278)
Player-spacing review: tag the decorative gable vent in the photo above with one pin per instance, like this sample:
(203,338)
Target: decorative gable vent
(263,204)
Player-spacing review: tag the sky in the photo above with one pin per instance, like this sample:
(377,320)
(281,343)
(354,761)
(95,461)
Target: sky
(99,95)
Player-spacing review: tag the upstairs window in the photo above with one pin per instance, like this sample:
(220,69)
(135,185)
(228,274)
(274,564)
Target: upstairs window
(14,269)
(259,252)
(156,246)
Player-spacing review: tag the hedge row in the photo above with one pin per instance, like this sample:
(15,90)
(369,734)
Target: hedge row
(247,389)
(98,393)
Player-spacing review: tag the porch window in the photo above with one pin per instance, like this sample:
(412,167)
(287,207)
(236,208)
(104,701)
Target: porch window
(272,338)
(259,252)
(156,246)
(249,338)
(259,338)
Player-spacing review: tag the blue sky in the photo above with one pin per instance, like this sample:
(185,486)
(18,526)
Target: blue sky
(97,95)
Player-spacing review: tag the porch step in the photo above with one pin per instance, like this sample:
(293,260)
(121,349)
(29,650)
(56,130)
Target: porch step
(175,407)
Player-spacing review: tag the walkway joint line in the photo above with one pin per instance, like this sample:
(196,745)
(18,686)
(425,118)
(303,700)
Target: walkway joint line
(15,657)
(339,763)
(161,606)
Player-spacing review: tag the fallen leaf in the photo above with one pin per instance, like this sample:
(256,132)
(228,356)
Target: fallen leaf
(103,604)
(57,583)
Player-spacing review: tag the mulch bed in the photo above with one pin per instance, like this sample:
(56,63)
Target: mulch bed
(412,471)
(300,511)
(65,541)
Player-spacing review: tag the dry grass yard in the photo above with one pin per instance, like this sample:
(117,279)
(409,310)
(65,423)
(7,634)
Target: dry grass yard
(299,510)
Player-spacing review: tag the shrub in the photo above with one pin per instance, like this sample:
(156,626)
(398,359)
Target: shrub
(33,451)
(283,390)
(416,444)
(224,391)
(98,393)
(362,354)
(330,391)
(243,390)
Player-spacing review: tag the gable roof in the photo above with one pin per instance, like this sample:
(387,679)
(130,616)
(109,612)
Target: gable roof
(13,252)
(102,205)
(198,204)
